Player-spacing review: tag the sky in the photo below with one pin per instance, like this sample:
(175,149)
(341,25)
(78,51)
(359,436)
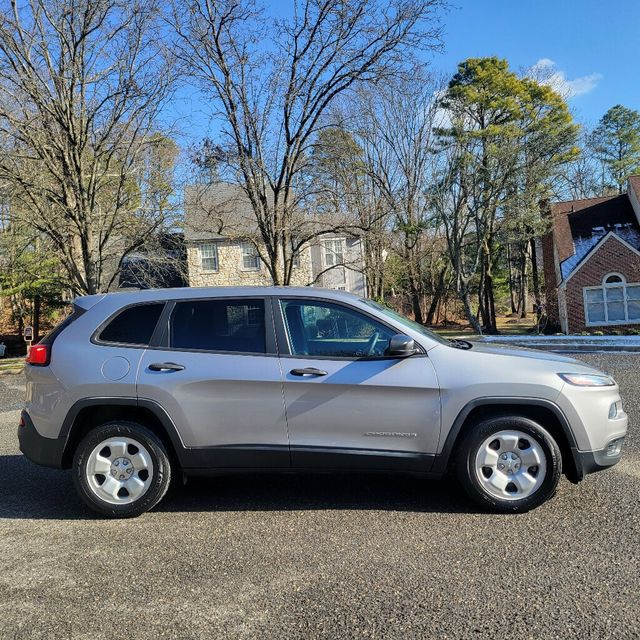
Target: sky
(590,47)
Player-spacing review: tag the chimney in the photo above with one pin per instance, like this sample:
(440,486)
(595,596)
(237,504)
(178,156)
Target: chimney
(633,192)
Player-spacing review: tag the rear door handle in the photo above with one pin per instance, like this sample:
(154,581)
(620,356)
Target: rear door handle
(309,371)
(166,366)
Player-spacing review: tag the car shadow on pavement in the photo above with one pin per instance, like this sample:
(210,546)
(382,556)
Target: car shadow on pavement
(33,492)
(320,491)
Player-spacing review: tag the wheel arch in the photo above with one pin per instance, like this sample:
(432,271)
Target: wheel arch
(89,413)
(542,411)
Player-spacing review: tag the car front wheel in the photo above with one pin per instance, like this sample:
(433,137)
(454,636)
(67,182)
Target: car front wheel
(121,469)
(509,464)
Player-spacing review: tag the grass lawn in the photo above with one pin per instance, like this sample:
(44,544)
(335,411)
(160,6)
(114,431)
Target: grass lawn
(506,326)
(11,365)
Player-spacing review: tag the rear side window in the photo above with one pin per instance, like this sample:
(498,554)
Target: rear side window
(134,325)
(219,325)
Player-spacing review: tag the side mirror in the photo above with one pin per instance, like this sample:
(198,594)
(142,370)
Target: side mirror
(401,346)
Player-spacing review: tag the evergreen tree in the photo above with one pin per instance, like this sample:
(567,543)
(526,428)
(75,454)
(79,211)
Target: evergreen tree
(616,142)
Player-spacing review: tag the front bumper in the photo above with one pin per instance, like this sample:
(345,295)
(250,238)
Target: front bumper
(592,461)
(47,452)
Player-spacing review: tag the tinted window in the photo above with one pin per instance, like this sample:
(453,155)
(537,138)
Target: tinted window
(320,329)
(134,325)
(219,325)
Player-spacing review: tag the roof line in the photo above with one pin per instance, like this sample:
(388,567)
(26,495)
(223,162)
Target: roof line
(593,249)
(617,195)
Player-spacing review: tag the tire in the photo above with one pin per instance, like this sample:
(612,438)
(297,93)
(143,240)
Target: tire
(121,469)
(509,464)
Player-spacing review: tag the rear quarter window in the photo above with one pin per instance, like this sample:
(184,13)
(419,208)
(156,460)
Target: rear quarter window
(133,325)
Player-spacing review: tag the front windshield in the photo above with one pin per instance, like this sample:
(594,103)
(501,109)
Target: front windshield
(412,324)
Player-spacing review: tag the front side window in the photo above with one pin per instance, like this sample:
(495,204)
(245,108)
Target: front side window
(333,252)
(250,257)
(411,324)
(209,257)
(328,330)
(615,302)
(235,326)
(135,325)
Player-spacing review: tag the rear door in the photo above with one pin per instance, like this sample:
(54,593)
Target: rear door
(214,369)
(347,404)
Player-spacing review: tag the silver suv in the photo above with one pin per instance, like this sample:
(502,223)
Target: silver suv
(134,388)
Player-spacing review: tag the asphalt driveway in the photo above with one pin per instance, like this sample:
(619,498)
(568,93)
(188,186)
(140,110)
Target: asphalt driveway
(321,557)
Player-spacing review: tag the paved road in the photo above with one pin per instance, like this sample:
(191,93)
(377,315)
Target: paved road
(320,557)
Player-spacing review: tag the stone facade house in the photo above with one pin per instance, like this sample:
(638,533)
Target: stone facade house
(591,261)
(219,222)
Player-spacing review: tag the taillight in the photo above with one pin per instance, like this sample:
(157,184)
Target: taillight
(38,355)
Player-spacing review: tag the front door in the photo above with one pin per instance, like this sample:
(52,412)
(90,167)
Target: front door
(347,404)
(218,377)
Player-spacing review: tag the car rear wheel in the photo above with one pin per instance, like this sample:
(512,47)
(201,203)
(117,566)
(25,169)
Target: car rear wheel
(121,469)
(509,464)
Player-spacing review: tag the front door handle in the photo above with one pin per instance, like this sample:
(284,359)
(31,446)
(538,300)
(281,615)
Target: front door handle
(309,371)
(166,366)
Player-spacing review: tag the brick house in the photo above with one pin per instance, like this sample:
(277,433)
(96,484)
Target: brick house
(591,261)
(220,254)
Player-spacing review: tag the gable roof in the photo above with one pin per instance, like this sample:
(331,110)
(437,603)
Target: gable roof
(594,249)
(580,225)
(217,211)
(223,211)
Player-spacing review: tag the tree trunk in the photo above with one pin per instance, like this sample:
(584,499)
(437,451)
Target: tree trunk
(490,304)
(415,302)
(466,303)
(36,318)
(524,281)
(486,297)
(511,281)
(536,278)
(437,296)
(482,299)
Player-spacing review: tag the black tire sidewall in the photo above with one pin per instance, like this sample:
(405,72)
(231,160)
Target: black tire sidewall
(483,430)
(161,469)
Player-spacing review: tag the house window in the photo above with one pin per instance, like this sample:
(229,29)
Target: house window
(250,257)
(255,315)
(615,302)
(209,257)
(333,252)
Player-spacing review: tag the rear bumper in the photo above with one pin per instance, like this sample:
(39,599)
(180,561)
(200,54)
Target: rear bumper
(47,452)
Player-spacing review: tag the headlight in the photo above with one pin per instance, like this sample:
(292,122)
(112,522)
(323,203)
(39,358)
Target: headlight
(587,380)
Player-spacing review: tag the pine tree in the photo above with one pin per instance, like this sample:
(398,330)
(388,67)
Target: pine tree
(616,142)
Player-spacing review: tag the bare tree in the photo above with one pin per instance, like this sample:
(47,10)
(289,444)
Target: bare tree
(584,177)
(81,85)
(397,129)
(462,226)
(344,174)
(272,82)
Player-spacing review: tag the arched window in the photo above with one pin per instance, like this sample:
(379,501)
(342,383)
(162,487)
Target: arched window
(614,302)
